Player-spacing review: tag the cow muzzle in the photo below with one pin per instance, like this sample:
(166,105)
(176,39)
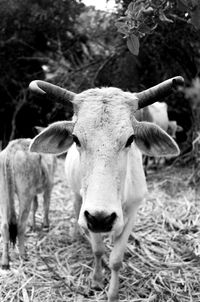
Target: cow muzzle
(100,222)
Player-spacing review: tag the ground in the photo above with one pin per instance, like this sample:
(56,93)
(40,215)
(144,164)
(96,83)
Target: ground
(161,263)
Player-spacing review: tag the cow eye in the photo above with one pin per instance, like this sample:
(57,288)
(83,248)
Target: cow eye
(76,140)
(129,141)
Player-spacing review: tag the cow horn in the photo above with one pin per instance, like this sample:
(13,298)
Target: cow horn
(60,94)
(153,94)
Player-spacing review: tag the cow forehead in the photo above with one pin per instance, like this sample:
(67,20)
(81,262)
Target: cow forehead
(110,95)
(107,110)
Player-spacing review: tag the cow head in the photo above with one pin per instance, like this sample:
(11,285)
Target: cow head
(103,129)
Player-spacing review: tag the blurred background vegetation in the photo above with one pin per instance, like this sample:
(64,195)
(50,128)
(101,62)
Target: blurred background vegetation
(79,47)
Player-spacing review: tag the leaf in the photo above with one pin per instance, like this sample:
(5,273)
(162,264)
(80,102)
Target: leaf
(143,28)
(122,27)
(122,30)
(122,19)
(131,7)
(133,44)
(164,18)
(148,11)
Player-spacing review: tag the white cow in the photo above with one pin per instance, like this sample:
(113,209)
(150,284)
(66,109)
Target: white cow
(104,163)
(173,128)
(26,174)
(157,113)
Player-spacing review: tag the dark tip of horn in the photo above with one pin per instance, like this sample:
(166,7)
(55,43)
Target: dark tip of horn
(34,86)
(155,93)
(54,91)
(178,81)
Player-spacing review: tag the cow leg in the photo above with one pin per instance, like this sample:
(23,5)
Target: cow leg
(77,202)
(46,204)
(5,239)
(25,206)
(35,207)
(117,255)
(98,250)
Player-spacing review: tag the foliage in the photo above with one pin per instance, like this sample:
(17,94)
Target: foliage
(166,49)
(79,48)
(193,92)
(33,33)
(60,41)
(142,17)
(98,45)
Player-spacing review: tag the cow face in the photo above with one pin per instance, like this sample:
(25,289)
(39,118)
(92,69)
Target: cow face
(104,129)
(103,136)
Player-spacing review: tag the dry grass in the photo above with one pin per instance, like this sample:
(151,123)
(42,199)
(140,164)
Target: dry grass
(162,261)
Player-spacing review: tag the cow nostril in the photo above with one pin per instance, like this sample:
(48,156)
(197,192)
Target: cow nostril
(110,219)
(100,222)
(86,213)
(88,216)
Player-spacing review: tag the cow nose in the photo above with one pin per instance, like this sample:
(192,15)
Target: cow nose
(100,221)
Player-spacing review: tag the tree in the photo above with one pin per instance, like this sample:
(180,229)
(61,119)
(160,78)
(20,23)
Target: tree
(169,30)
(143,17)
(33,33)
(169,45)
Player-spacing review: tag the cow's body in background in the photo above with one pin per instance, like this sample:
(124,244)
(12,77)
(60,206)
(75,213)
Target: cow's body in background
(174,128)
(26,174)
(104,166)
(157,113)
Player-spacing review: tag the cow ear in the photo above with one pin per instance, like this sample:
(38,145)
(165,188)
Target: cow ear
(55,139)
(153,141)
(39,129)
(179,128)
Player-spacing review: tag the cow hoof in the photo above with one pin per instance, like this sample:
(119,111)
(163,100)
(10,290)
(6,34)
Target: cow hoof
(97,285)
(24,256)
(5,266)
(46,228)
(32,228)
(113,299)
